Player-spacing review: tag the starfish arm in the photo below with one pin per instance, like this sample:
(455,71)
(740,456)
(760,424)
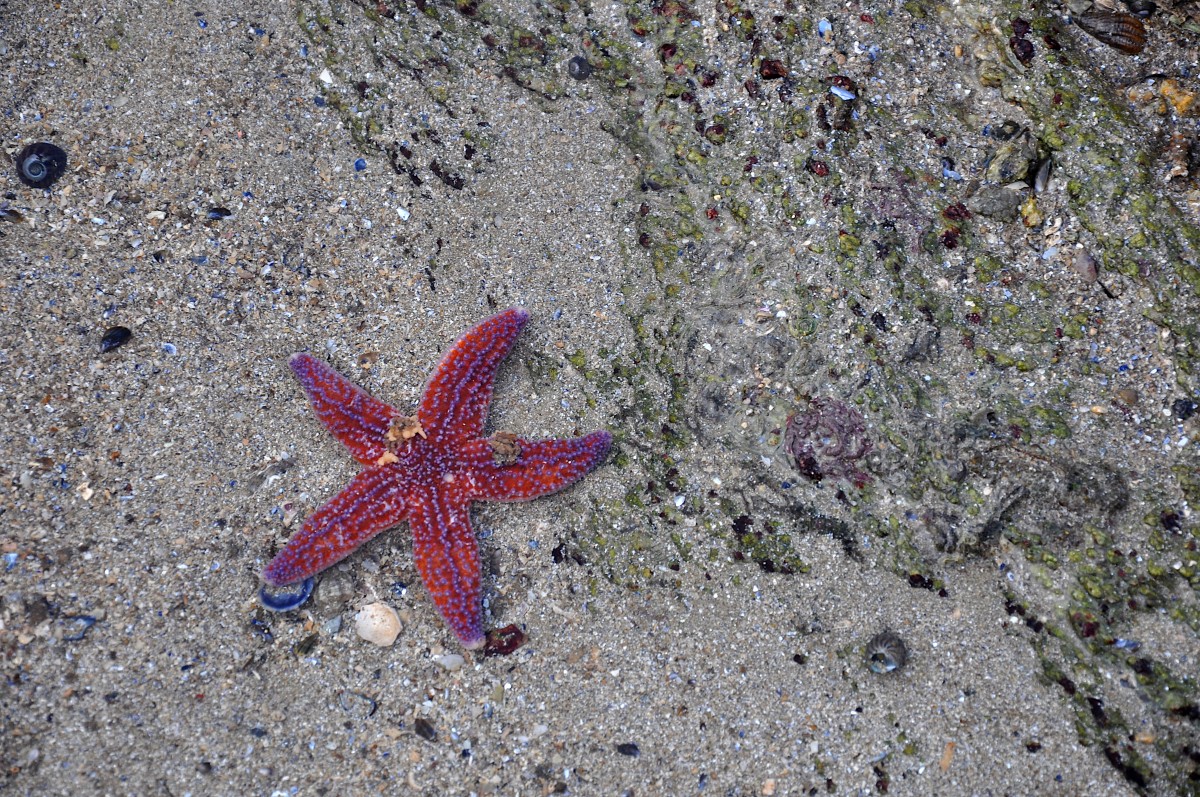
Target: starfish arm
(358,420)
(447,557)
(456,400)
(541,467)
(373,502)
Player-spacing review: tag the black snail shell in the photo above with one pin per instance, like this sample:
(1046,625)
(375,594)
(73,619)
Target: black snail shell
(40,164)
(579,68)
(885,652)
(1142,9)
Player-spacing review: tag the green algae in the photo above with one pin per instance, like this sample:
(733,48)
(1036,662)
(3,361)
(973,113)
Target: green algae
(688,156)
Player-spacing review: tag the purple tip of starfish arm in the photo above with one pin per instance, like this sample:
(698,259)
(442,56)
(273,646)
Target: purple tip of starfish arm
(542,466)
(457,395)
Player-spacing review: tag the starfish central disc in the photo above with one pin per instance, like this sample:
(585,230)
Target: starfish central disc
(427,469)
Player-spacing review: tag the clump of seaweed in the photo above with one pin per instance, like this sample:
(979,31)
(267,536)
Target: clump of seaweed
(828,439)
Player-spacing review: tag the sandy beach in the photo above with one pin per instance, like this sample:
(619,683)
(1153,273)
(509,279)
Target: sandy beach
(889,309)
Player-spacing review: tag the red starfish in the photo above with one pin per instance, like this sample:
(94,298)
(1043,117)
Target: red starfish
(428,469)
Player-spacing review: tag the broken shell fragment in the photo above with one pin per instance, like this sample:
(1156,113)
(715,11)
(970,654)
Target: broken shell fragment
(1176,155)
(114,337)
(287,597)
(1042,181)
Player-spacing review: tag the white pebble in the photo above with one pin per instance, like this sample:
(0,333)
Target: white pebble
(451,661)
(378,623)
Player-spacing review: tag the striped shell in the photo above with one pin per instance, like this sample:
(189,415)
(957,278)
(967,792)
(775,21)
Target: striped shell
(1119,30)
(885,652)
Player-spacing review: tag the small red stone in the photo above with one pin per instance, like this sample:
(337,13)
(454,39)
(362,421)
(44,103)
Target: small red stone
(956,212)
(819,168)
(772,69)
(503,641)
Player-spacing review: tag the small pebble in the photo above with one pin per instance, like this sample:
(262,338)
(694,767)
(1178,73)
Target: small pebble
(336,588)
(378,623)
(1128,396)
(451,661)
(1085,266)
(360,165)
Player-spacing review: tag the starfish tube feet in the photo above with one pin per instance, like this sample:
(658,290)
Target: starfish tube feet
(358,420)
(541,468)
(457,397)
(447,557)
(370,504)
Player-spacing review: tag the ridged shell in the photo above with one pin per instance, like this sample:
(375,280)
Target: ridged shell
(1118,30)
(885,652)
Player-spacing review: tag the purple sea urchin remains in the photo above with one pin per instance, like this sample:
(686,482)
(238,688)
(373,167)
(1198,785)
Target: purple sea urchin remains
(40,164)
(828,439)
